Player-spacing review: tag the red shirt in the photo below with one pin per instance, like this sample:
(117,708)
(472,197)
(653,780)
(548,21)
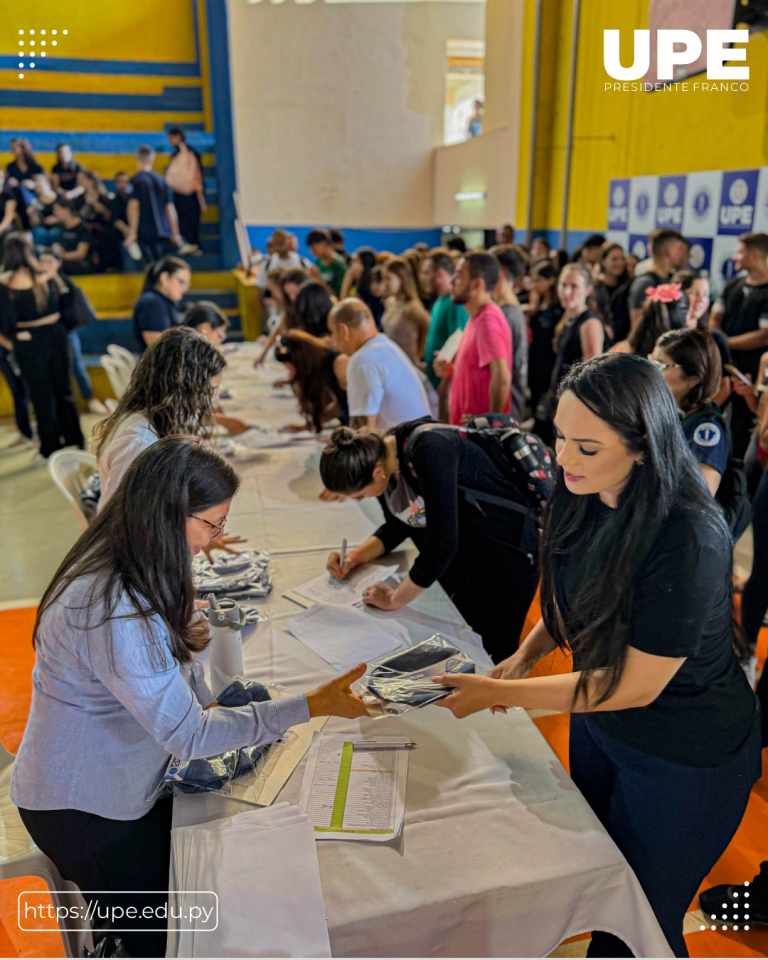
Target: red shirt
(487,337)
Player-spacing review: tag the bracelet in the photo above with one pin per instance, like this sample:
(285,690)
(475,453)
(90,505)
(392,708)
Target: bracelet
(357,555)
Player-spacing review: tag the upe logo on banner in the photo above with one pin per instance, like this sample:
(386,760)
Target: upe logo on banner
(701,203)
(668,57)
(738,213)
(618,209)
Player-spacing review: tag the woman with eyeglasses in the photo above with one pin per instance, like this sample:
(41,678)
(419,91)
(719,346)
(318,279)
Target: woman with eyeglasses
(118,688)
(636,583)
(690,363)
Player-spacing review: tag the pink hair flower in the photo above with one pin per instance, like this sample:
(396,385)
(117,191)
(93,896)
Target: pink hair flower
(664,293)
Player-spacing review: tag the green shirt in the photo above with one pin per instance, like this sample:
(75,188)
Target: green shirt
(447,318)
(333,273)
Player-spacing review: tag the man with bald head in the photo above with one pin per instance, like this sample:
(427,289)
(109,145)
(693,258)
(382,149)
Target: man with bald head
(383,386)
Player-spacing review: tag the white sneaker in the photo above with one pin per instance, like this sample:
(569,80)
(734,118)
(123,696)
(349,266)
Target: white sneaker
(189,249)
(96,406)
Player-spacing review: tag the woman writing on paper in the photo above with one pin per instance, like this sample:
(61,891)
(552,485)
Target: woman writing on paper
(466,518)
(118,688)
(636,582)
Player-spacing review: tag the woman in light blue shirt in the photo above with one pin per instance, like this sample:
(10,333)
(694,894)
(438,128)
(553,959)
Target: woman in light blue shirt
(118,689)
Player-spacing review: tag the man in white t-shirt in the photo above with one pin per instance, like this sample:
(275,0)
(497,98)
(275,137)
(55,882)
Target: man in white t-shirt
(383,386)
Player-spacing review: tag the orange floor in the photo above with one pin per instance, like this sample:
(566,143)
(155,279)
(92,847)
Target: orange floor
(740,861)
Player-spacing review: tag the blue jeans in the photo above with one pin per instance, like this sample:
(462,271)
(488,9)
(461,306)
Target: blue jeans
(79,371)
(671,821)
(46,236)
(18,392)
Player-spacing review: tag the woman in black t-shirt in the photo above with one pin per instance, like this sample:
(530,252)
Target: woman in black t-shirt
(468,521)
(636,581)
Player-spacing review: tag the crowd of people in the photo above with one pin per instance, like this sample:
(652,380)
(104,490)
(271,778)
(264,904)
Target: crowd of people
(92,229)
(621,381)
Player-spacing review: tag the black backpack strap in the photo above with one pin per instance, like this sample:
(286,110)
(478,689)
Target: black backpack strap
(472,496)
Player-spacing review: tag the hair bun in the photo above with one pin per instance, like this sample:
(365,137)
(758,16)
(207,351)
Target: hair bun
(343,437)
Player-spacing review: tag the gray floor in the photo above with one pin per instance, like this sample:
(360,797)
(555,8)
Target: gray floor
(37,526)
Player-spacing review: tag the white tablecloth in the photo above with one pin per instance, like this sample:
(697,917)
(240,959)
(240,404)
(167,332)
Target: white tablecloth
(500,855)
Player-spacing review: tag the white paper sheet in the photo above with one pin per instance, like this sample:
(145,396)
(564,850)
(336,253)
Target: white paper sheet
(263,867)
(343,636)
(451,347)
(353,792)
(349,592)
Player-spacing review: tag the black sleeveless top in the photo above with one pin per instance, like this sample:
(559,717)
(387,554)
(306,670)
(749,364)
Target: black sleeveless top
(569,346)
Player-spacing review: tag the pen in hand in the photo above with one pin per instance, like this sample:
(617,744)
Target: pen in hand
(342,554)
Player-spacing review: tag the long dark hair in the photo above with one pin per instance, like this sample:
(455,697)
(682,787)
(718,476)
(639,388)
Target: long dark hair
(312,359)
(169,265)
(367,257)
(19,254)
(171,387)
(311,309)
(696,352)
(137,547)
(26,149)
(656,319)
(629,394)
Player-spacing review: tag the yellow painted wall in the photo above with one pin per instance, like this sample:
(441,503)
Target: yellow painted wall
(618,134)
(107,31)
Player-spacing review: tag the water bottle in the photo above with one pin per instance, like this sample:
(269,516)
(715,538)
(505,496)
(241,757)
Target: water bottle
(226,620)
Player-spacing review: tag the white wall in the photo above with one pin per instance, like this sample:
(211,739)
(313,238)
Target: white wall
(490,162)
(337,108)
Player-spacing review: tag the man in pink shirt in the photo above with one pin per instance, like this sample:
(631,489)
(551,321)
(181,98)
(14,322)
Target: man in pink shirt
(481,375)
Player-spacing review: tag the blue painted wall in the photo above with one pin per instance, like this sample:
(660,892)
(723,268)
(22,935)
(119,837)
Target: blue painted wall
(384,238)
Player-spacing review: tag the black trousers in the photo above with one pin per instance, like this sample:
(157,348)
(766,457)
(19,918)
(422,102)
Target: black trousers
(105,855)
(188,211)
(493,581)
(45,362)
(671,821)
(19,394)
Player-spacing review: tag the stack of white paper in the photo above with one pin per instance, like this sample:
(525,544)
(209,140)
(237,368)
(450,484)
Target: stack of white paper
(262,866)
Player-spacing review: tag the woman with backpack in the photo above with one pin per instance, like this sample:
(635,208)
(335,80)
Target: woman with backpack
(185,177)
(472,525)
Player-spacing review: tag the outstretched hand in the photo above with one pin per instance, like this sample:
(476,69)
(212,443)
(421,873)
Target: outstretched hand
(222,543)
(335,698)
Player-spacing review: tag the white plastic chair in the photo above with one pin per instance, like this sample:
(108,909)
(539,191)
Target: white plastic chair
(118,375)
(20,857)
(70,470)
(122,355)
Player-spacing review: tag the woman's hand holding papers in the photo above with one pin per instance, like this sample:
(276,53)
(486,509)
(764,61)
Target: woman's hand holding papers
(335,698)
(472,693)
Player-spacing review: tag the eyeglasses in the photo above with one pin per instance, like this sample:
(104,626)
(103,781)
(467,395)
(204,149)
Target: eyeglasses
(217,530)
(660,365)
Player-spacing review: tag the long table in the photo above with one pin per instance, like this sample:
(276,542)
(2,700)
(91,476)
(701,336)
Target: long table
(500,855)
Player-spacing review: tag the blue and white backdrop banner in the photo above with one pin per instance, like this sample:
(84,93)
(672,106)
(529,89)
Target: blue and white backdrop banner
(710,208)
